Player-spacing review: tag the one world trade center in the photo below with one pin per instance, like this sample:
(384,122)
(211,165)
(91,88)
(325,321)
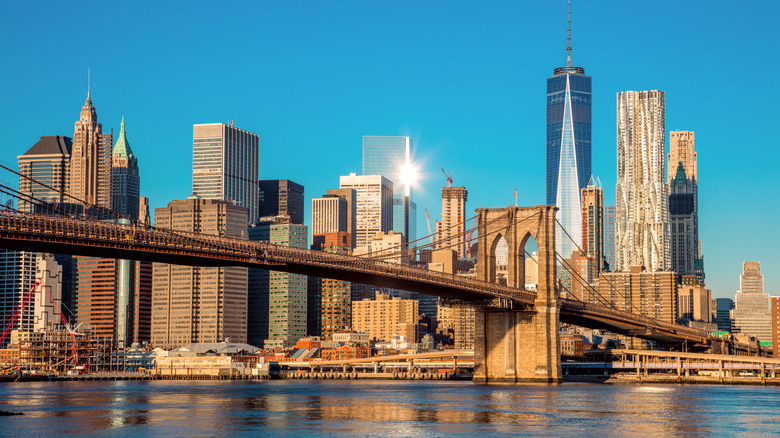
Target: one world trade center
(568,148)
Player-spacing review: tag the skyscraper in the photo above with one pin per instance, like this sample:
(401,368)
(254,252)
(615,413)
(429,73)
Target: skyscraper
(47,162)
(389,156)
(752,307)
(682,146)
(452,233)
(90,160)
(287,295)
(609,237)
(723,308)
(683,229)
(225,165)
(282,197)
(568,147)
(328,215)
(776,326)
(113,297)
(350,197)
(126,183)
(682,178)
(335,295)
(593,223)
(642,222)
(199,304)
(374,211)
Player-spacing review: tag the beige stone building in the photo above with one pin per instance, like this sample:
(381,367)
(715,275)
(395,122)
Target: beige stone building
(90,159)
(652,294)
(461,319)
(384,316)
(694,301)
(451,230)
(199,304)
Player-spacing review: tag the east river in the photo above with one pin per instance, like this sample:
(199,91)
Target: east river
(385,408)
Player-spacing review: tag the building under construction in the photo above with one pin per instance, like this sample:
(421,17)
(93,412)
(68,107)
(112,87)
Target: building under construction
(59,351)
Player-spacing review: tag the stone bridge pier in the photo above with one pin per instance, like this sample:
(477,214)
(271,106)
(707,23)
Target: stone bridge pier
(518,345)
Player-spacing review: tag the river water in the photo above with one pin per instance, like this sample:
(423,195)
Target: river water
(385,408)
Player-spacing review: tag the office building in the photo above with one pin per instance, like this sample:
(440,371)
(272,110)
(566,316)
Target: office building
(723,308)
(694,301)
(384,317)
(776,326)
(388,247)
(287,292)
(609,238)
(193,304)
(451,232)
(637,290)
(642,222)
(391,156)
(258,290)
(329,214)
(374,206)
(752,313)
(126,183)
(48,164)
(90,160)
(113,298)
(579,276)
(281,197)
(593,223)
(568,148)
(335,312)
(682,149)
(225,165)
(683,223)
(350,197)
(461,320)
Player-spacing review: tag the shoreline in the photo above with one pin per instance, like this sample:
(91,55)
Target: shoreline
(400,376)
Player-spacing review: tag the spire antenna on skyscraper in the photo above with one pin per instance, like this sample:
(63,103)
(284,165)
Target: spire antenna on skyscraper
(88,81)
(568,40)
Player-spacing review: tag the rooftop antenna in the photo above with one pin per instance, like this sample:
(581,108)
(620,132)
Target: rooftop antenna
(568,47)
(88,80)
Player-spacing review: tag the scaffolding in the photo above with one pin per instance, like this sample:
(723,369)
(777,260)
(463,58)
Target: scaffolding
(51,351)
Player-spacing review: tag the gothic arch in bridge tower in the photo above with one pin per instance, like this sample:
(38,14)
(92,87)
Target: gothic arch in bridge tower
(517,225)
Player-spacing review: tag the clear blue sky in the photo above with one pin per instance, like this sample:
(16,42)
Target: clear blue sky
(466,80)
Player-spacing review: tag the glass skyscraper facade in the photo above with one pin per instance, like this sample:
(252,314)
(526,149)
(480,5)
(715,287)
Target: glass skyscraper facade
(568,150)
(387,156)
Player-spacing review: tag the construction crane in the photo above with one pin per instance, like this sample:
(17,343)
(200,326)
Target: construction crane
(430,232)
(449,177)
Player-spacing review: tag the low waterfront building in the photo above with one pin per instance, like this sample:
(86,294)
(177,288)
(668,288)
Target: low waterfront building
(347,352)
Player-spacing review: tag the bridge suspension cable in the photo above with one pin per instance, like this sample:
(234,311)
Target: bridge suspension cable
(612,286)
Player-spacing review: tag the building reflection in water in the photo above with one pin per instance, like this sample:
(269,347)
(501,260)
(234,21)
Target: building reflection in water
(373,407)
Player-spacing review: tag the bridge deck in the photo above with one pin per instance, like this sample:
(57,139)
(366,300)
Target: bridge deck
(56,234)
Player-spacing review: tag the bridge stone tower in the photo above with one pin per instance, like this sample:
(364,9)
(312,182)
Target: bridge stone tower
(514,345)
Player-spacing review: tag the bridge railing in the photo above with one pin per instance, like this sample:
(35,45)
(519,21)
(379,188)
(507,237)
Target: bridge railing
(174,240)
(247,251)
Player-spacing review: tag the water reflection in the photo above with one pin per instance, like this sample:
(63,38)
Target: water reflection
(384,408)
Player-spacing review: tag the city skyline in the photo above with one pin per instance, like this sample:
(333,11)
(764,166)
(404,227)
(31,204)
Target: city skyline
(499,107)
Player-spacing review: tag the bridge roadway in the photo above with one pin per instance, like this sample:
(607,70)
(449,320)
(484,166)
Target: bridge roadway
(64,235)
